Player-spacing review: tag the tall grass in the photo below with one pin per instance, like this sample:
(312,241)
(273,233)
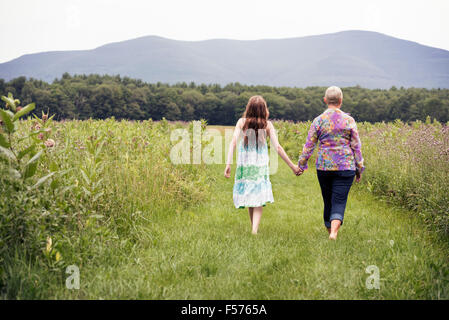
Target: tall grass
(107,174)
(409,165)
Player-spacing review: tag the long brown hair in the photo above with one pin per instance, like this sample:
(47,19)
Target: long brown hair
(256,117)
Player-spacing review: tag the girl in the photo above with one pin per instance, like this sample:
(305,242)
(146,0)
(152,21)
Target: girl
(252,187)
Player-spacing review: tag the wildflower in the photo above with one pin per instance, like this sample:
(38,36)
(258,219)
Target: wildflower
(44,117)
(49,244)
(40,136)
(49,143)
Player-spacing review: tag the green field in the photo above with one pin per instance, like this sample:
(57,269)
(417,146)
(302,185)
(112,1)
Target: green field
(160,231)
(209,253)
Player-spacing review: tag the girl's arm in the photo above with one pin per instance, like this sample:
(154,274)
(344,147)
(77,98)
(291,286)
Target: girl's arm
(275,144)
(237,131)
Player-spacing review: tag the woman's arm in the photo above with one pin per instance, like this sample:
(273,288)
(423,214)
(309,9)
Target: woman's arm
(309,147)
(356,146)
(275,144)
(232,145)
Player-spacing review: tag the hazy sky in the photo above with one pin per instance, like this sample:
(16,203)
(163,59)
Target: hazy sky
(29,26)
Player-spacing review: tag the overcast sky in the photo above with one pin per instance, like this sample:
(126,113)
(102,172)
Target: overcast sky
(29,26)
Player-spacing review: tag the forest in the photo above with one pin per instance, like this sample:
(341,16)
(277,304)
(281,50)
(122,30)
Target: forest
(103,96)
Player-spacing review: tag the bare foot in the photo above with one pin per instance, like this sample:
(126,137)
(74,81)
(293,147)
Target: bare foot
(254,232)
(333,236)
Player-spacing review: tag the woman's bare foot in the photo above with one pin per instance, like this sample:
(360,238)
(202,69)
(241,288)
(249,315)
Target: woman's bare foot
(335,225)
(254,232)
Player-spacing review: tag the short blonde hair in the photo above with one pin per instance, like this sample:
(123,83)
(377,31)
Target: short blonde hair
(333,95)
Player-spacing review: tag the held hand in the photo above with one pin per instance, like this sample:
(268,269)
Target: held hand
(297,170)
(294,169)
(227,172)
(358,176)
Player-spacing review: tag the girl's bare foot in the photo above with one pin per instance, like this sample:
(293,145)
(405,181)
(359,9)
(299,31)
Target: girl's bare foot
(254,232)
(257,214)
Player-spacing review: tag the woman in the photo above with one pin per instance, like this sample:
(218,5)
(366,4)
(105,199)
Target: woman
(339,157)
(252,187)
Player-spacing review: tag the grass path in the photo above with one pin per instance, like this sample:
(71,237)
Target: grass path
(209,253)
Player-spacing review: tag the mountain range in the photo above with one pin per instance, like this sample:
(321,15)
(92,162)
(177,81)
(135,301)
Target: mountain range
(347,58)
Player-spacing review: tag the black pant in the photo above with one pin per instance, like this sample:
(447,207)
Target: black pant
(335,186)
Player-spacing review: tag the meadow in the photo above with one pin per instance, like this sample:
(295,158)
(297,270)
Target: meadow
(103,195)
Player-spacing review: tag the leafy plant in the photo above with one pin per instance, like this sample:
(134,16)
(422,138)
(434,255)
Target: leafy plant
(21,152)
(23,160)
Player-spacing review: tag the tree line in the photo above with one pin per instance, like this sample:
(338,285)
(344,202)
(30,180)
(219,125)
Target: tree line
(104,96)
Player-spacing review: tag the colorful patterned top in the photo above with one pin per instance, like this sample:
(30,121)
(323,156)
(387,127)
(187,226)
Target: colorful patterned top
(339,146)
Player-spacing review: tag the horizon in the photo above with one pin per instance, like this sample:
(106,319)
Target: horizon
(225,39)
(76,25)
